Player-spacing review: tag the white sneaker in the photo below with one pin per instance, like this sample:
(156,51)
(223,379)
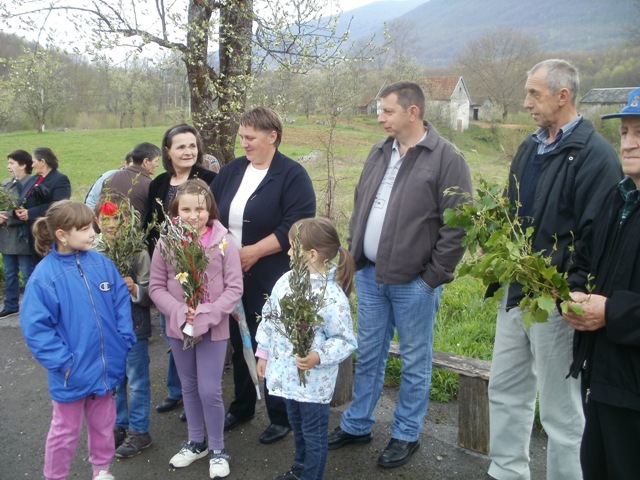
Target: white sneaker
(189,453)
(218,464)
(104,475)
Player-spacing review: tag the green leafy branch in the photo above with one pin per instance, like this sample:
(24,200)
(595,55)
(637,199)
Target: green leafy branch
(500,251)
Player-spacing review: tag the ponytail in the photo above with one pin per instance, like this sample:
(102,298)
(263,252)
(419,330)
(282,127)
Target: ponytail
(345,270)
(42,237)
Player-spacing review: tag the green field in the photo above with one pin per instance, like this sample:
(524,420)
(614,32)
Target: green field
(465,323)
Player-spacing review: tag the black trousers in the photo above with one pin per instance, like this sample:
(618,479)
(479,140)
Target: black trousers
(611,443)
(244,403)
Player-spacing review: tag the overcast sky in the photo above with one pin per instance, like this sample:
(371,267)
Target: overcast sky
(351,4)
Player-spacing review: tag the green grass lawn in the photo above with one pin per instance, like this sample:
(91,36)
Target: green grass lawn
(465,323)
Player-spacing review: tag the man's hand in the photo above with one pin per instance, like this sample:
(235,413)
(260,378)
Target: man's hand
(592,317)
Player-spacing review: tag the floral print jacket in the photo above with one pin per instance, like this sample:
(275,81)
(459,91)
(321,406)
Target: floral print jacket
(334,341)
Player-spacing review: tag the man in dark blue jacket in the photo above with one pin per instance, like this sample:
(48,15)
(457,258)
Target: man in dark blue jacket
(607,341)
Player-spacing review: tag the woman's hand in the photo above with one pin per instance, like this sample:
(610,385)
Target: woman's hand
(3,217)
(250,254)
(592,317)
(248,257)
(261,367)
(308,362)
(22,214)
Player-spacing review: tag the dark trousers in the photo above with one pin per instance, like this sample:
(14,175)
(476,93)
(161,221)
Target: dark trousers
(611,443)
(244,403)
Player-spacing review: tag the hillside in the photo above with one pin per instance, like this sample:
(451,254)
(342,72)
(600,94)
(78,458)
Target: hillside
(445,27)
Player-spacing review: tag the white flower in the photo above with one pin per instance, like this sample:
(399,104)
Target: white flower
(223,245)
(182,277)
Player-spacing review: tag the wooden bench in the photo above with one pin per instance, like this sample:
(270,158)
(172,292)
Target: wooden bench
(473,399)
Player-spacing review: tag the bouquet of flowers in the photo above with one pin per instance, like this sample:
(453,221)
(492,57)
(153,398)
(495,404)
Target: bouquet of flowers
(129,239)
(501,252)
(181,249)
(297,315)
(8,200)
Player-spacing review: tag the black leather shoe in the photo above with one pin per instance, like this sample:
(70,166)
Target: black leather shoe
(294,474)
(339,438)
(168,404)
(231,421)
(397,453)
(7,313)
(183,416)
(273,433)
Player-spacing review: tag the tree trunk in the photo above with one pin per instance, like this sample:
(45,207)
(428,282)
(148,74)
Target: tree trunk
(218,100)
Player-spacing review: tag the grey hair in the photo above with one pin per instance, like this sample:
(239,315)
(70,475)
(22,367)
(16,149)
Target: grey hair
(560,74)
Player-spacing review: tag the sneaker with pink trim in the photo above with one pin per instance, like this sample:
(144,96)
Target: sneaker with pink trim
(103,475)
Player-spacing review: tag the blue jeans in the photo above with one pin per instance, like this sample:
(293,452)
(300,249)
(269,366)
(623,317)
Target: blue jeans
(409,308)
(134,413)
(13,264)
(173,380)
(310,424)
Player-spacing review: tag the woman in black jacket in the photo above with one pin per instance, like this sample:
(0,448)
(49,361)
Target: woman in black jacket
(45,187)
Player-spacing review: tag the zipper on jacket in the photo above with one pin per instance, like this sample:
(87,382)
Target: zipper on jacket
(67,374)
(586,397)
(95,312)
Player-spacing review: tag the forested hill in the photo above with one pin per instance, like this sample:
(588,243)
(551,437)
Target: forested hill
(443,28)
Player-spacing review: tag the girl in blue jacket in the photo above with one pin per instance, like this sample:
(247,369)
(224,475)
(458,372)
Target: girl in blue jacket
(76,320)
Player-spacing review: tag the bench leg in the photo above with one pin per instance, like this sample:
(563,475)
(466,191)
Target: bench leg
(473,414)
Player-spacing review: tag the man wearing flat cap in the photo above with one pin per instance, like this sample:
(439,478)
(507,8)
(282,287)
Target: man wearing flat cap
(606,289)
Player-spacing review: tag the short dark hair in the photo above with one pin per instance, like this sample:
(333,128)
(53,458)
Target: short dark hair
(144,150)
(408,93)
(46,154)
(167,140)
(22,157)
(265,119)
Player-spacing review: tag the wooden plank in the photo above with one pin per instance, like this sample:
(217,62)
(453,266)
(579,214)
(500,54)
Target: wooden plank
(469,367)
(473,414)
(344,384)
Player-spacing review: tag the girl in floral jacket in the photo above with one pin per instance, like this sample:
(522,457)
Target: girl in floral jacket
(334,340)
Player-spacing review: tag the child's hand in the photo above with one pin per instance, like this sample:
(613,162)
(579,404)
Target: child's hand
(191,315)
(308,362)
(261,367)
(133,288)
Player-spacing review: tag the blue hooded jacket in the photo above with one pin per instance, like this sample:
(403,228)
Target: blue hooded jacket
(76,318)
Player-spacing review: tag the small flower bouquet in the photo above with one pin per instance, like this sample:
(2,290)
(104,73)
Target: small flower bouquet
(297,315)
(8,201)
(129,239)
(501,252)
(181,249)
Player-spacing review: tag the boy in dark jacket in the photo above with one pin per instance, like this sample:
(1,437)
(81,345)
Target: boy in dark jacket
(131,431)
